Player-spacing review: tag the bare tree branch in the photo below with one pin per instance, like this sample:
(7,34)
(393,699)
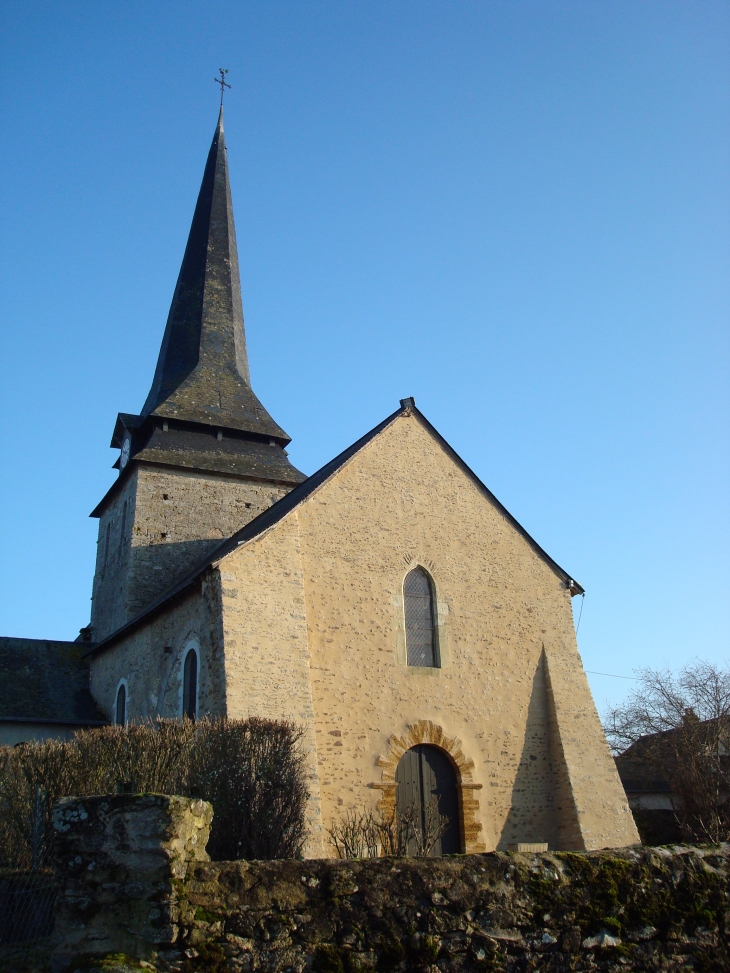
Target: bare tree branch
(680,726)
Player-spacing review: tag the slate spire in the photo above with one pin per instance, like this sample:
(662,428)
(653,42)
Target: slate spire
(202,372)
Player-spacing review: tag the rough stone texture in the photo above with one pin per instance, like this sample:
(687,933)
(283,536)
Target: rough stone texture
(172,519)
(137,882)
(121,860)
(151,659)
(313,608)
(304,621)
(267,656)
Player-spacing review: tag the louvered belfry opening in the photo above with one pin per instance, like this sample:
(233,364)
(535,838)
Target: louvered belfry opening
(419,616)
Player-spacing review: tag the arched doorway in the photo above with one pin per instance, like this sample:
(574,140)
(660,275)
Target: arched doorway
(424,775)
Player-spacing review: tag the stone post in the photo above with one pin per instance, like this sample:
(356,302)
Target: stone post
(122,863)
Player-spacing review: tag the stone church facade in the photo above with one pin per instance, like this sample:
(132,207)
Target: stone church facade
(388,604)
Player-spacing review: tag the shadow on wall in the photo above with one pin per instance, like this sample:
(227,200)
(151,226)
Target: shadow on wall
(155,568)
(542,808)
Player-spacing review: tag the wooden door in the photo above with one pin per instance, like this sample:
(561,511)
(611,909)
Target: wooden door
(424,774)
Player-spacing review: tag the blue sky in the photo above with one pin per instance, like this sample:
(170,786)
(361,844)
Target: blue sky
(516,212)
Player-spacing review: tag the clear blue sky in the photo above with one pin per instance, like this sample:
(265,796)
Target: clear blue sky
(517,212)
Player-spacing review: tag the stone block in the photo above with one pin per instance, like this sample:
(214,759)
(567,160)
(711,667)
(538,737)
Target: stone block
(122,863)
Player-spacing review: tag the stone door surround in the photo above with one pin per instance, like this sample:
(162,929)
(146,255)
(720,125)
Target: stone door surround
(425,731)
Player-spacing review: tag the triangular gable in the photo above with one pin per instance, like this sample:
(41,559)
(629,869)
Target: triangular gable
(269,518)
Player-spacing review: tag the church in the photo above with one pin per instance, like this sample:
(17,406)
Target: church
(388,604)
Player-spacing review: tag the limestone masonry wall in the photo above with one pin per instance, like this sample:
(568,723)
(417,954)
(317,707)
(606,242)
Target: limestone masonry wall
(160,524)
(137,881)
(313,624)
(150,659)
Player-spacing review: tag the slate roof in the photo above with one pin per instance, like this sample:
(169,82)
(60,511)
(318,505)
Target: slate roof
(44,681)
(202,372)
(201,412)
(195,447)
(282,507)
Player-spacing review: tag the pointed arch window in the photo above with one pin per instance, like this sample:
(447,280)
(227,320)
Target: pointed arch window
(120,710)
(418,605)
(190,684)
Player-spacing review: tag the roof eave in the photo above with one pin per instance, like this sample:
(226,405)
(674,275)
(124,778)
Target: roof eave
(573,586)
(287,503)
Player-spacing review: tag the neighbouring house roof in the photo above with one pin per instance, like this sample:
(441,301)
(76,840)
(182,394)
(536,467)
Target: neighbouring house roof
(282,507)
(642,764)
(45,681)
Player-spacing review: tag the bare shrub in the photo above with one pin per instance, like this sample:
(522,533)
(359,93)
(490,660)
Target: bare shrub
(397,833)
(430,829)
(250,770)
(680,726)
(352,835)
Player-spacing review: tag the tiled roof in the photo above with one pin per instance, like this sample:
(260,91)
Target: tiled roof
(46,681)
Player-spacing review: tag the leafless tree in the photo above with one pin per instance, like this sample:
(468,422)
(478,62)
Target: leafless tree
(680,726)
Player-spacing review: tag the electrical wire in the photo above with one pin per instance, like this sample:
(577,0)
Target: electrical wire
(580,613)
(611,674)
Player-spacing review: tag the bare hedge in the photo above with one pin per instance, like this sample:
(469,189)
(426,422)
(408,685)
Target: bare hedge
(250,770)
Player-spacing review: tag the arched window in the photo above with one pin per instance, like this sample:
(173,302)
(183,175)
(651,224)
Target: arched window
(190,684)
(120,714)
(418,604)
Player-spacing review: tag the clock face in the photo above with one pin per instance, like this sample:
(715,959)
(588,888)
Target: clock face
(124,458)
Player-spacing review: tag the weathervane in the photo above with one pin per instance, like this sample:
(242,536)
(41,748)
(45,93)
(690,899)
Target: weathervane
(222,82)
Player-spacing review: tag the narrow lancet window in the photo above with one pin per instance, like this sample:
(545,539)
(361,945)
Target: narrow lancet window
(123,530)
(418,604)
(190,684)
(120,717)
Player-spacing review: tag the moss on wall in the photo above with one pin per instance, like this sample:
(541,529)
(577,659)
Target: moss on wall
(634,909)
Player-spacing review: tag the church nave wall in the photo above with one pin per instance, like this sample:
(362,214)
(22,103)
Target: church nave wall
(150,659)
(401,502)
(267,657)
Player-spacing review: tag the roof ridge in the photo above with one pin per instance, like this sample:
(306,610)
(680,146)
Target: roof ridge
(277,511)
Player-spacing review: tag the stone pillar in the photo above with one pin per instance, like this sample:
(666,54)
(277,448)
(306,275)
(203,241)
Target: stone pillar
(122,863)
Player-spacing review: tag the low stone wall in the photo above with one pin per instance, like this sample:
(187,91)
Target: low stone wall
(138,882)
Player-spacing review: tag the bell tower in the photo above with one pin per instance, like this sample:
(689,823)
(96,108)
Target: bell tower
(203,457)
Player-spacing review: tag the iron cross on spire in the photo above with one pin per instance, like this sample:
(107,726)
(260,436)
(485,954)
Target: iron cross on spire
(222,81)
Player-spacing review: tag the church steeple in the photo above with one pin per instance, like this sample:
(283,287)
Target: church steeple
(202,372)
(201,412)
(204,457)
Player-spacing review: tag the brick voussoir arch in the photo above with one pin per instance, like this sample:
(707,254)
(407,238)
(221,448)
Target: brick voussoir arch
(425,731)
